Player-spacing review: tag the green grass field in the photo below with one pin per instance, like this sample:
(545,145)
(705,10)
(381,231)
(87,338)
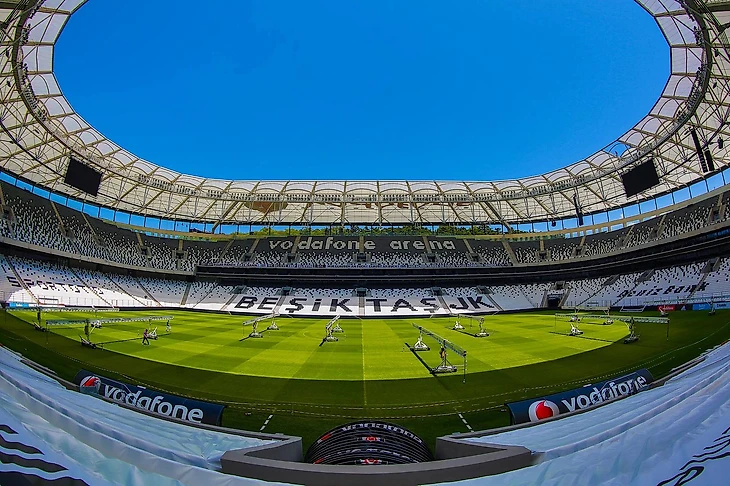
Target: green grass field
(366,350)
(369,372)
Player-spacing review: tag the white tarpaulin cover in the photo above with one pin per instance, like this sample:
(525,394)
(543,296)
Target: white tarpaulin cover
(50,432)
(675,434)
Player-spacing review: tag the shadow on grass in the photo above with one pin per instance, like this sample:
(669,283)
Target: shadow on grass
(583,336)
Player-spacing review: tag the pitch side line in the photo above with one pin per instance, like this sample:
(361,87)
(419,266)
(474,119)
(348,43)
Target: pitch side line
(266,423)
(465,422)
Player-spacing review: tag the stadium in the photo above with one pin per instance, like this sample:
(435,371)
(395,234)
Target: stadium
(164,328)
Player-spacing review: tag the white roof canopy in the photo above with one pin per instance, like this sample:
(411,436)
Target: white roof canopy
(39,131)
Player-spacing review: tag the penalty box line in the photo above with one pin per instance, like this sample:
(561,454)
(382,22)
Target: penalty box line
(266,422)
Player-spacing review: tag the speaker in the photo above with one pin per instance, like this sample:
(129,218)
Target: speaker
(698,148)
(578,212)
(710,162)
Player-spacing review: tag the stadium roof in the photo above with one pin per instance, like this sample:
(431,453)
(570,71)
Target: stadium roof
(39,131)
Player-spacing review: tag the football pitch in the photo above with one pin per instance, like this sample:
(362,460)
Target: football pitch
(373,349)
(307,386)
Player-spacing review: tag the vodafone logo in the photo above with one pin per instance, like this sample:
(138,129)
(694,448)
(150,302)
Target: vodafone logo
(591,395)
(90,381)
(543,409)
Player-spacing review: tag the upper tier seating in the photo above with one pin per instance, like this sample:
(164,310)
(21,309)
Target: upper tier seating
(560,249)
(602,243)
(312,259)
(38,221)
(691,218)
(492,253)
(526,251)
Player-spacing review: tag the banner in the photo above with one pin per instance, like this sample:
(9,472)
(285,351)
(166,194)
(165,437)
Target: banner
(361,306)
(708,306)
(159,403)
(536,409)
(350,244)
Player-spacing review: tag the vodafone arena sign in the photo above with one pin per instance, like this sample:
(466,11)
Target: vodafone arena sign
(541,408)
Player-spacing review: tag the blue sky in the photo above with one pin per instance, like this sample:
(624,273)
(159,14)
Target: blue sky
(362,89)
